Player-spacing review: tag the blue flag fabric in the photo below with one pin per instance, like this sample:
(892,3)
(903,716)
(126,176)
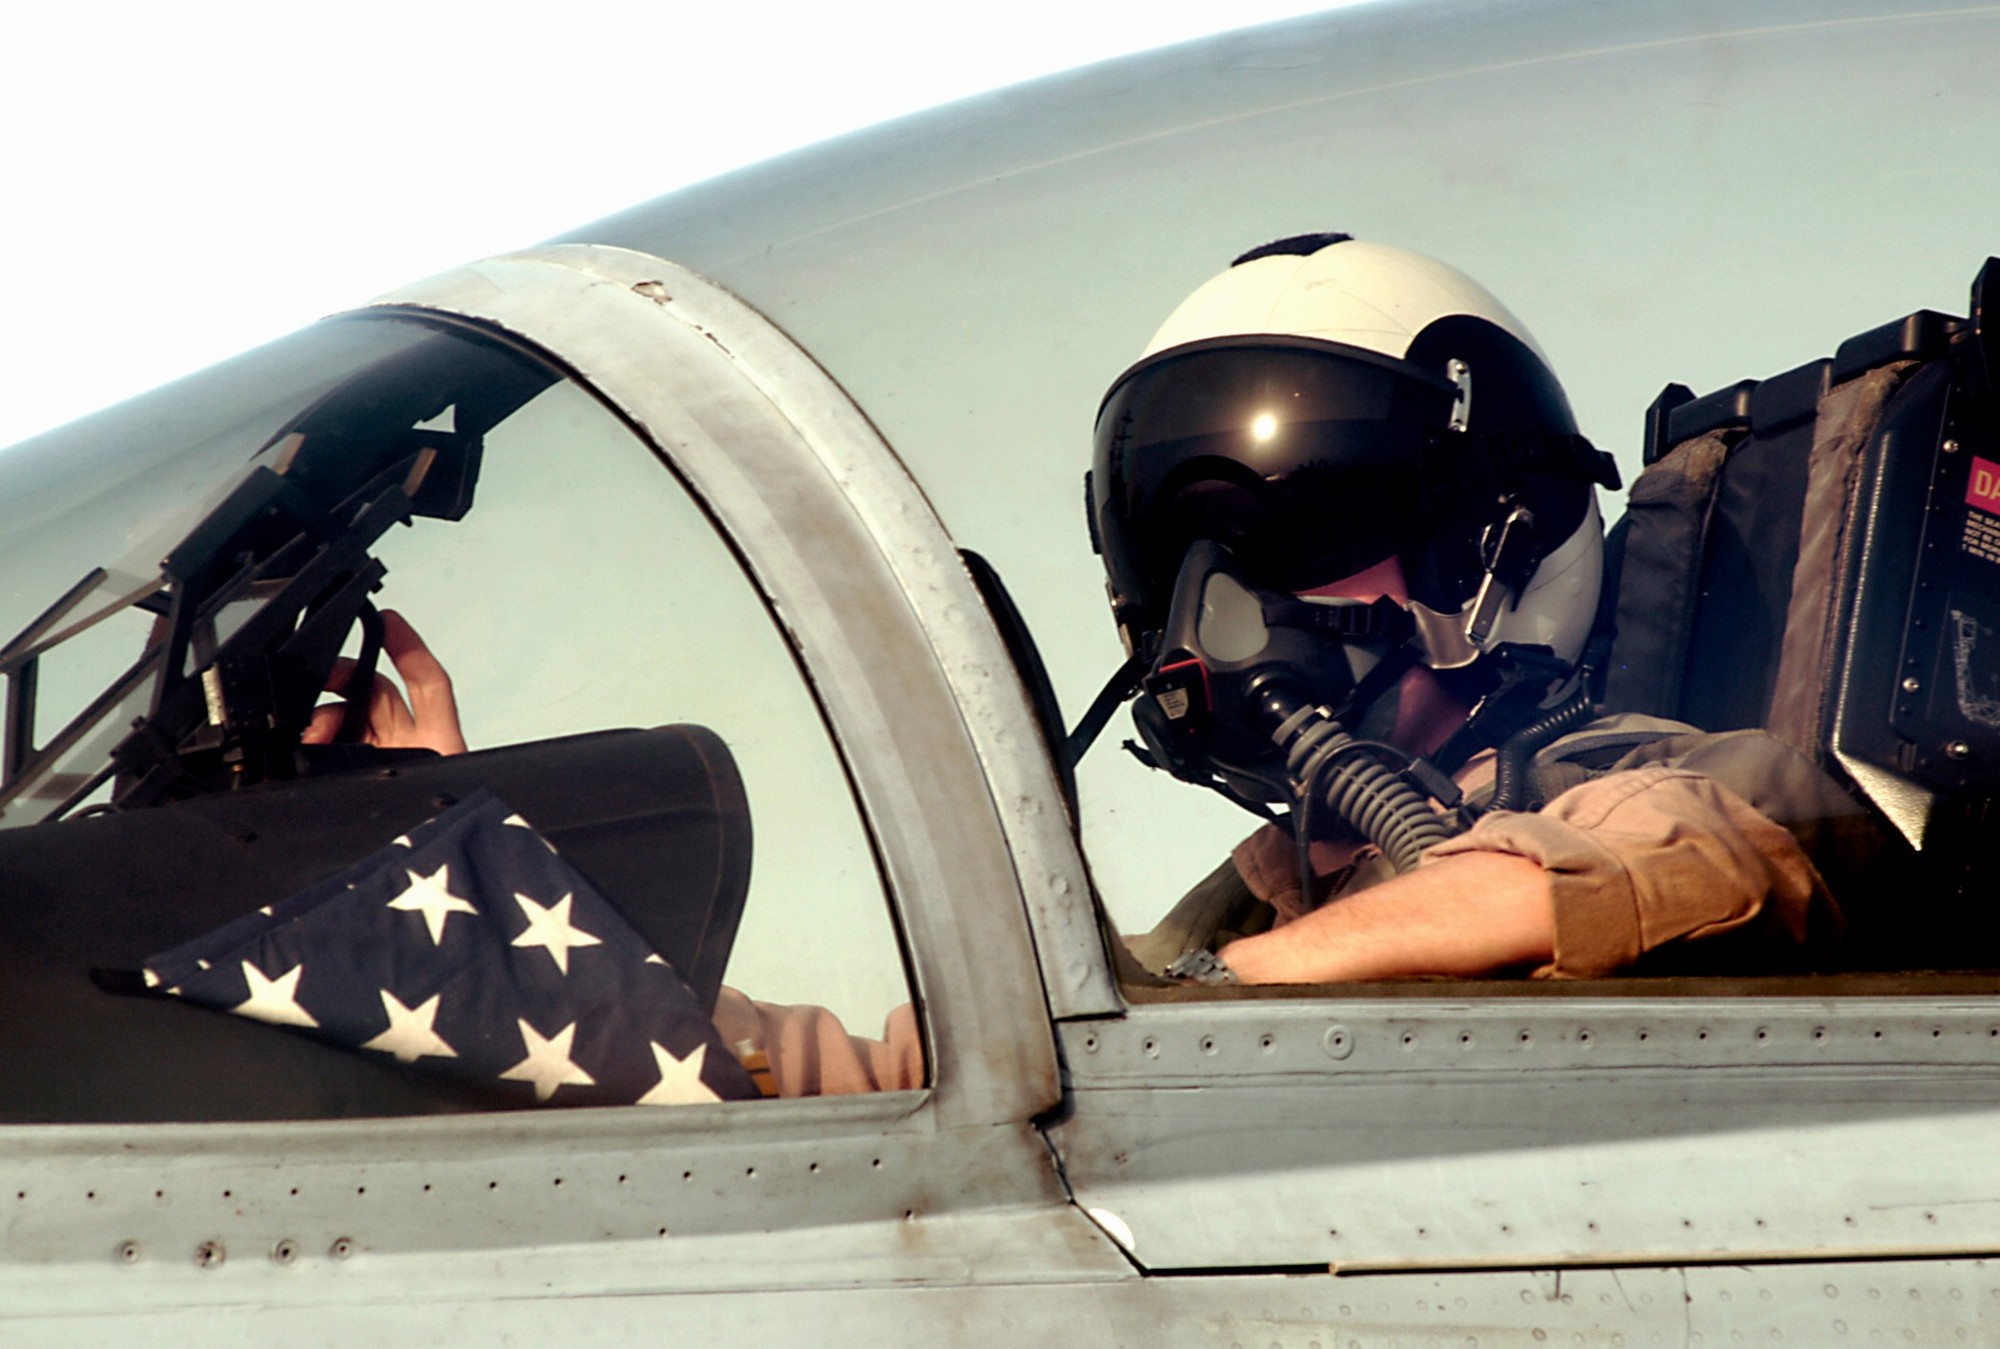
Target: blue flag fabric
(469,947)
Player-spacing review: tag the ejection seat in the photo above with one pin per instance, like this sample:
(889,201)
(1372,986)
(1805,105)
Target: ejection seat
(1818,554)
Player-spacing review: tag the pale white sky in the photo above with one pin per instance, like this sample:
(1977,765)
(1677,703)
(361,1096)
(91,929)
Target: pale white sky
(184,181)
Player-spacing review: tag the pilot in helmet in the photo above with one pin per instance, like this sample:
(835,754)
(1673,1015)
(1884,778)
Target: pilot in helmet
(1352,544)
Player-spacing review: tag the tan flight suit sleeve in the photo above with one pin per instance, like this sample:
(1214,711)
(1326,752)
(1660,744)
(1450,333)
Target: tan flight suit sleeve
(805,1051)
(1268,862)
(1651,859)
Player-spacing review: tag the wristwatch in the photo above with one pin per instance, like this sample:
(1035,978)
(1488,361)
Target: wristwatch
(1202,966)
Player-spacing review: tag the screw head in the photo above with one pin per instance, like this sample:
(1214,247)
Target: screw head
(210,1255)
(1912,684)
(127,1252)
(1957,749)
(1950,446)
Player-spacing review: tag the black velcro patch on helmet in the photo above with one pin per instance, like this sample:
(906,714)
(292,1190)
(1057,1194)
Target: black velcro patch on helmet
(1297,245)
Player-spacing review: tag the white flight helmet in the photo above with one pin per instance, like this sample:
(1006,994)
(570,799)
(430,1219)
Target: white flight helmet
(1327,403)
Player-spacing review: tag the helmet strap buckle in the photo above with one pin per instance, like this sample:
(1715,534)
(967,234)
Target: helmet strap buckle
(1509,560)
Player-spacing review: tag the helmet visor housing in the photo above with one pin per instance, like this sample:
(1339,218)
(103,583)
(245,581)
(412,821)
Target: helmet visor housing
(1303,457)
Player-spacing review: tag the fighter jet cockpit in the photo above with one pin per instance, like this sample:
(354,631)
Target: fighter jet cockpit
(191,629)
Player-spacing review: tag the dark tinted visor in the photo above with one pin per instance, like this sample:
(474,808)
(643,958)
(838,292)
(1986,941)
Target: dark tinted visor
(1304,458)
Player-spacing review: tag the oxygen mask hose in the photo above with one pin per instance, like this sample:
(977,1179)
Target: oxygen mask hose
(1517,752)
(1337,772)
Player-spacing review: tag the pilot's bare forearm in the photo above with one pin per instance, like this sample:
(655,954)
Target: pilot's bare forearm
(1465,915)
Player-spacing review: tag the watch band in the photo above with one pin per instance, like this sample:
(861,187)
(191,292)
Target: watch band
(1201,966)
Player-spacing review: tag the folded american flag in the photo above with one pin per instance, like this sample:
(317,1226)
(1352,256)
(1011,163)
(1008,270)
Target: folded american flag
(469,947)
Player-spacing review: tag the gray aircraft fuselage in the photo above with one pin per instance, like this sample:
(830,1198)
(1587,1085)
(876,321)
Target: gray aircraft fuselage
(860,358)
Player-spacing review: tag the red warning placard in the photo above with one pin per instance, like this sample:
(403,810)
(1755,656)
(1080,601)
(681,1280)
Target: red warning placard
(1982,489)
(1982,522)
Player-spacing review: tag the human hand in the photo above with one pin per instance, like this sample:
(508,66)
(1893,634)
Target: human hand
(428,719)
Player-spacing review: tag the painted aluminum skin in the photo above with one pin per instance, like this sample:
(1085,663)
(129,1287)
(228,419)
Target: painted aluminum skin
(1472,1164)
(746,1196)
